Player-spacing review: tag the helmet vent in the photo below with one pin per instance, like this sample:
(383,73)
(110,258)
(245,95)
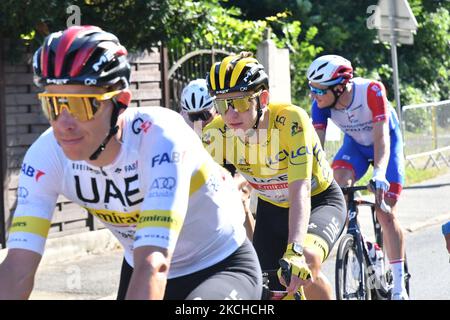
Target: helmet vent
(322,66)
(186,104)
(319,77)
(193,99)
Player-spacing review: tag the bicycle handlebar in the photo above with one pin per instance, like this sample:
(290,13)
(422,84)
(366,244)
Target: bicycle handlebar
(383,205)
(286,274)
(347,190)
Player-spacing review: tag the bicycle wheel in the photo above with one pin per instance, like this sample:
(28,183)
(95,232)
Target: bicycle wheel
(351,283)
(407,276)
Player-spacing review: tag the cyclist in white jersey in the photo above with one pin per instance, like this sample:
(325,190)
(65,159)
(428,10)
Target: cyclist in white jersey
(197,105)
(178,217)
(359,107)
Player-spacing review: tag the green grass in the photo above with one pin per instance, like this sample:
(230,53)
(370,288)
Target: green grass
(418,175)
(412,175)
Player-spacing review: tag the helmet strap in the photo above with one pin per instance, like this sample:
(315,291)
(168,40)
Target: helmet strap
(113,128)
(251,132)
(336,94)
(258,115)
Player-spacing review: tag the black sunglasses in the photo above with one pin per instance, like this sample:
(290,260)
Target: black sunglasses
(201,115)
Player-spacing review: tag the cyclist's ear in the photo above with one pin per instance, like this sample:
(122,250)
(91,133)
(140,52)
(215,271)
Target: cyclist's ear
(339,88)
(264,98)
(124,97)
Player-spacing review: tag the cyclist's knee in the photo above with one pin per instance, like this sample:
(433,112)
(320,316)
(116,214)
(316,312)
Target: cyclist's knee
(387,220)
(391,201)
(344,177)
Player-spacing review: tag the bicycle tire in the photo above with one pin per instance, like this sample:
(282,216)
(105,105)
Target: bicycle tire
(345,249)
(407,277)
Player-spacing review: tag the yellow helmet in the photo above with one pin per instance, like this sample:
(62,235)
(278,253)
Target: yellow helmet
(237,73)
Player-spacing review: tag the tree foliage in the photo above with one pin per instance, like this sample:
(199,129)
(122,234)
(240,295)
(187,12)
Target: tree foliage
(306,27)
(344,29)
(181,25)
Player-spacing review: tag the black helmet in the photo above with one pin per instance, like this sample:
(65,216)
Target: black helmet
(84,55)
(237,73)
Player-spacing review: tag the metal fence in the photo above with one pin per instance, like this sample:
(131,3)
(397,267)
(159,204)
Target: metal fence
(188,65)
(426,134)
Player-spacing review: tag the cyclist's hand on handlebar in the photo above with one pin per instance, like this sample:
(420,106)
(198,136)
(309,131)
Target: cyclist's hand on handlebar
(379,181)
(379,185)
(379,198)
(294,271)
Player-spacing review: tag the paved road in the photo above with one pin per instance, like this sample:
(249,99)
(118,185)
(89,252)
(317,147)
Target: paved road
(97,276)
(88,278)
(423,208)
(428,262)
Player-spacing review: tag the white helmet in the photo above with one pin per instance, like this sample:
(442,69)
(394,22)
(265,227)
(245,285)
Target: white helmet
(330,70)
(195,96)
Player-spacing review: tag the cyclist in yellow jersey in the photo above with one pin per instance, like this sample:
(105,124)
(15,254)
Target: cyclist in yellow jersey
(197,110)
(301,210)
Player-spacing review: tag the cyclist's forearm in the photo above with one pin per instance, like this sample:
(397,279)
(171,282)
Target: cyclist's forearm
(321,134)
(299,210)
(14,286)
(149,278)
(249,224)
(381,146)
(17,273)
(146,286)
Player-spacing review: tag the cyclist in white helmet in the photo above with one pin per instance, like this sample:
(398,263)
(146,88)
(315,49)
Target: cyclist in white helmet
(197,105)
(197,110)
(359,107)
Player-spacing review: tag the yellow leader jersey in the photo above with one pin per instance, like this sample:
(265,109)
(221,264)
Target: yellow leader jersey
(288,150)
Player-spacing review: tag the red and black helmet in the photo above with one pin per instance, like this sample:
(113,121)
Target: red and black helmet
(84,55)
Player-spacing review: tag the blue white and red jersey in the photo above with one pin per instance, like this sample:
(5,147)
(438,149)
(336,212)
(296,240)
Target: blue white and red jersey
(369,105)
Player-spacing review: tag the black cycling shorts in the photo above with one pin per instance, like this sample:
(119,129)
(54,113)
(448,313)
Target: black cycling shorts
(327,222)
(237,277)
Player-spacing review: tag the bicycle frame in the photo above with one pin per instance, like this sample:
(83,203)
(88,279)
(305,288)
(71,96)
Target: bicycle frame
(354,229)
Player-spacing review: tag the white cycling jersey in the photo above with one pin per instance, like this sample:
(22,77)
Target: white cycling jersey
(368,106)
(163,189)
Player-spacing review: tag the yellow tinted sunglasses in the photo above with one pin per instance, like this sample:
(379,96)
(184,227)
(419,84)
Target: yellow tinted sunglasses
(238,104)
(81,106)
